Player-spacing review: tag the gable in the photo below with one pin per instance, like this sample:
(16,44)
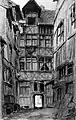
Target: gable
(31,6)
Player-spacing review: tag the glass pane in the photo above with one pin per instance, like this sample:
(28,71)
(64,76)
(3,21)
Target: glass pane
(34,37)
(41,59)
(58,39)
(41,65)
(28,66)
(35,86)
(49,66)
(62,28)
(62,37)
(46,30)
(26,91)
(21,65)
(59,31)
(31,20)
(34,66)
(42,43)
(34,42)
(48,43)
(21,42)
(43,31)
(21,90)
(28,36)
(28,42)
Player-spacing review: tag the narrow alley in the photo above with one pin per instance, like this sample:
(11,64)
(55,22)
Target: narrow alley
(41,114)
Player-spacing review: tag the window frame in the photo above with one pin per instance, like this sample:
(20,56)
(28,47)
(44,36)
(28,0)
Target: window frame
(42,62)
(59,33)
(70,68)
(21,61)
(31,20)
(42,88)
(35,86)
(73,12)
(22,43)
(31,63)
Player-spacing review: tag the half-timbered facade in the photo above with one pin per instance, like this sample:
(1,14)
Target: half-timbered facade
(36,53)
(64,49)
(9,16)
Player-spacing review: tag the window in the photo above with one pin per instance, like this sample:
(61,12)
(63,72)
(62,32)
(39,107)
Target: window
(31,20)
(73,19)
(31,40)
(28,37)
(24,90)
(21,90)
(42,43)
(45,42)
(21,43)
(31,64)
(28,42)
(59,94)
(69,87)
(22,64)
(62,72)
(28,63)
(60,33)
(65,70)
(34,42)
(34,64)
(70,68)
(41,87)
(45,63)
(10,17)
(45,30)
(35,86)
(48,43)
(42,30)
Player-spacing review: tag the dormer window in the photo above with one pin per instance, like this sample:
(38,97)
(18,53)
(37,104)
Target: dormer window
(31,20)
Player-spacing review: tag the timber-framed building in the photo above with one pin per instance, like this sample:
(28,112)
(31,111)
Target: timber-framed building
(36,55)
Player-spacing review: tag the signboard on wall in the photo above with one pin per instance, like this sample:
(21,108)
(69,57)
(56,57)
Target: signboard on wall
(38,101)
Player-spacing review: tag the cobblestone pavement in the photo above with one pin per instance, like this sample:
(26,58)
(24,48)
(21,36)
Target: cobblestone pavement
(41,114)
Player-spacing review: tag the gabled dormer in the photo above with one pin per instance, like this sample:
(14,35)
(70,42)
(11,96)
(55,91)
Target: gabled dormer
(31,6)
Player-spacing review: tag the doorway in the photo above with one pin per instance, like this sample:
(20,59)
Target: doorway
(38,100)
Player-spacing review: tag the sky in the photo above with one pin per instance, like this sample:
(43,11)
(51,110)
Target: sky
(48,4)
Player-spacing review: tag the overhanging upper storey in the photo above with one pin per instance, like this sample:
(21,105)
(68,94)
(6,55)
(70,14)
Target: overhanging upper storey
(31,6)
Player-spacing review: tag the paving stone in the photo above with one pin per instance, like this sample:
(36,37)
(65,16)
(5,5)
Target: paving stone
(41,114)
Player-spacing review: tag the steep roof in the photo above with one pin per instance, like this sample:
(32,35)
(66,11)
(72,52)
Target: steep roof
(7,3)
(31,6)
(47,17)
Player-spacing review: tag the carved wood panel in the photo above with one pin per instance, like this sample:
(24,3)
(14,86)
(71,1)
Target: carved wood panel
(45,51)
(32,29)
(22,52)
(35,76)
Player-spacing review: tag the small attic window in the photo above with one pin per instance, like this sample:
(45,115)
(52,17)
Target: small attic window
(31,20)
